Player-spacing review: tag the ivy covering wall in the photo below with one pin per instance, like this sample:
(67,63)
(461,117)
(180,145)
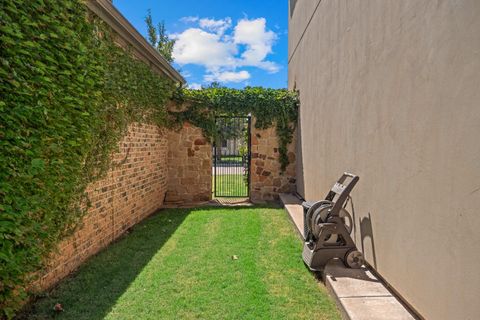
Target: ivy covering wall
(67,95)
(270,107)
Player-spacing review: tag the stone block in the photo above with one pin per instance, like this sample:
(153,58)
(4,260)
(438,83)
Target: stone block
(291,157)
(200,141)
(259,163)
(277,182)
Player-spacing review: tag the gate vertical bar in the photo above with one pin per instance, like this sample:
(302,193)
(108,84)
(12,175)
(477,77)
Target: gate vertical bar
(249,154)
(215,140)
(232,156)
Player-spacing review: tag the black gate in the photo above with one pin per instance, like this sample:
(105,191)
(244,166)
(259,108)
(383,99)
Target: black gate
(231,157)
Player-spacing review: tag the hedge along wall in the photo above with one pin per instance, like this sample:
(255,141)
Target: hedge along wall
(67,96)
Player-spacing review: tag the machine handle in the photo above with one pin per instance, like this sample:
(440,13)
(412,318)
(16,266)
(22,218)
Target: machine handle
(351,175)
(343,191)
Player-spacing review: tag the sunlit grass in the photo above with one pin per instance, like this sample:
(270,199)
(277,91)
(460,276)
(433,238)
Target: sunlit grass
(230,159)
(230,185)
(180,264)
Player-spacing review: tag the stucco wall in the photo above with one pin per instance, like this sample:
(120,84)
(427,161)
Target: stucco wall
(390,90)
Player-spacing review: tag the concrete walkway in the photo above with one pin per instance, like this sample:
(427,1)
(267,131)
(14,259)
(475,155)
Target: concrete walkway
(358,293)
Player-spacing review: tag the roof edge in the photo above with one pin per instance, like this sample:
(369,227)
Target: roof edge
(106,11)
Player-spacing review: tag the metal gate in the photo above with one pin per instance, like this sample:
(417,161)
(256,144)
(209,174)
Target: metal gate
(231,157)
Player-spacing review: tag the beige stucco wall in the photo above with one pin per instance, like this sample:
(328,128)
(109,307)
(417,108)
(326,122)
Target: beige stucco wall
(390,90)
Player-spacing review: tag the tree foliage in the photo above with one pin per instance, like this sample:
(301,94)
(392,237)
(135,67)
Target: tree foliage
(158,37)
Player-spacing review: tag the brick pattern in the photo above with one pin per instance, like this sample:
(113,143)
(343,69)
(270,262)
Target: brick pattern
(266,179)
(133,189)
(189,166)
(154,167)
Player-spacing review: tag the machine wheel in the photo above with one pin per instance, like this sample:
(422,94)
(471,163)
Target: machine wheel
(354,259)
(317,219)
(313,210)
(344,214)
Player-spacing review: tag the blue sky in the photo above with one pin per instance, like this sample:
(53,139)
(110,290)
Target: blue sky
(234,42)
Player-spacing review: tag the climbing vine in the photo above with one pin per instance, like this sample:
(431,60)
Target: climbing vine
(67,95)
(270,107)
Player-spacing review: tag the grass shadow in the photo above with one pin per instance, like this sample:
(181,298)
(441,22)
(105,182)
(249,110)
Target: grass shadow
(107,275)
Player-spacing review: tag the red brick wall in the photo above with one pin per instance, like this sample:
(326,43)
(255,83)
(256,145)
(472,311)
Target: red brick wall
(189,166)
(129,193)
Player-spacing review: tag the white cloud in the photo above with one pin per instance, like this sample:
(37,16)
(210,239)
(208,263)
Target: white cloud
(223,50)
(189,19)
(196,46)
(185,74)
(195,86)
(228,76)
(217,26)
(259,42)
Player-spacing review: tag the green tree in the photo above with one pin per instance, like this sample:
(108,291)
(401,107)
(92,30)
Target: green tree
(158,37)
(214,84)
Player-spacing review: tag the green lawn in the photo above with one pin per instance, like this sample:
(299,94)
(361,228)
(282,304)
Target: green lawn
(230,159)
(178,265)
(229,185)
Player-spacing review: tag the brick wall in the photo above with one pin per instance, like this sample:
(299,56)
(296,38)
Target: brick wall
(266,178)
(129,193)
(189,166)
(153,166)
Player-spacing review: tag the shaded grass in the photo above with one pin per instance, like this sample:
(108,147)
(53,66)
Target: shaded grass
(178,265)
(230,185)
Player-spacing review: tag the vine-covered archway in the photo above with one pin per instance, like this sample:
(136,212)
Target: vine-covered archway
(270,107)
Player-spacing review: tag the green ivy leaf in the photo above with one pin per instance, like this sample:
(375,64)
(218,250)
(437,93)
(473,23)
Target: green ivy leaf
(37,166)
